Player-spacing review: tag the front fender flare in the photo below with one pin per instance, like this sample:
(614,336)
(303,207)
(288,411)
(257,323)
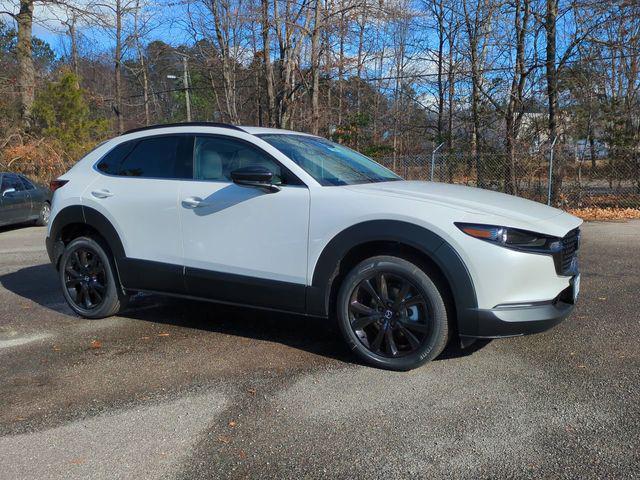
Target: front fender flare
(428,243)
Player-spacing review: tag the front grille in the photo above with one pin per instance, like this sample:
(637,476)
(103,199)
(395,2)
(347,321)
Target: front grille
(564,258)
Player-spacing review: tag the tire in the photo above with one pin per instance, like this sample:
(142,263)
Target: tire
(411,302)
(43,217)
(87,278)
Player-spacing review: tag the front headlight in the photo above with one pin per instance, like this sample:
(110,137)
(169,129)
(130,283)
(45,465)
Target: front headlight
(513,238)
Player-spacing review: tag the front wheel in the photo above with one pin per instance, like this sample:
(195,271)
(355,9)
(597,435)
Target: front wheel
(88,282)
(392,314)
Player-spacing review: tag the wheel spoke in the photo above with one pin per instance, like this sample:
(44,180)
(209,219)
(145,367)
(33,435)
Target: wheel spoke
(404,291)
(86,299)
(382,284)
(413,340)
(96,294)
(416,327)
(372,291)
(358,307)
(84,260)
(391,344)
(360,323)
(71,283)
(76,261)
(377,342)
(72,272)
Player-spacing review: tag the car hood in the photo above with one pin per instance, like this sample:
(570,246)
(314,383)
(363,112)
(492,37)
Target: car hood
(479,205)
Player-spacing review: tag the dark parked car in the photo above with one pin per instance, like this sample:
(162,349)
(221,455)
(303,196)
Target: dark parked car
(22,200)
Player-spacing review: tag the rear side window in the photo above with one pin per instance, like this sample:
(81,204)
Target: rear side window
(166,156)
(27,184)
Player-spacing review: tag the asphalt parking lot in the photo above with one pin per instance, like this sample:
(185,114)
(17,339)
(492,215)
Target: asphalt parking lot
(183,389)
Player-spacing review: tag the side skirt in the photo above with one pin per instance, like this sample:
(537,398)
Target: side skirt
(234,304)
(169,279)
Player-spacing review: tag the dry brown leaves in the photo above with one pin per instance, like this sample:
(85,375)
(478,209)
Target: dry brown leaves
(40,160)
(611,214)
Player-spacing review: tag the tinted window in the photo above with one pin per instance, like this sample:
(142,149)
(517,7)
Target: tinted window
(27,184)
(217,157)
(110,163)
(11,181)
(167,156)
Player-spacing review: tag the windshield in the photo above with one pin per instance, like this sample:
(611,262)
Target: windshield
(329,163)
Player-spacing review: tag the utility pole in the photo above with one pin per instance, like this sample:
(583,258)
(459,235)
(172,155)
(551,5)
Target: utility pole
(185,81)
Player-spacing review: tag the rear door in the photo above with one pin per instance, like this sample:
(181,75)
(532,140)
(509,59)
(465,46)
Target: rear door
(16,202)
(137,192)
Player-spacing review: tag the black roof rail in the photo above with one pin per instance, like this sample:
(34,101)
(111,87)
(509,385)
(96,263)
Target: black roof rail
(184,124)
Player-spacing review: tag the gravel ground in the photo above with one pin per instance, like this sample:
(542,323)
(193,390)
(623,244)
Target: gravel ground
(184,389)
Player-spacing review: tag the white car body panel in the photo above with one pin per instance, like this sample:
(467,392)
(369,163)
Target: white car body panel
(143,211)
(246,231)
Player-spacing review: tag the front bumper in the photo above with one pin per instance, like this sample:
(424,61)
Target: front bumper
(523,319)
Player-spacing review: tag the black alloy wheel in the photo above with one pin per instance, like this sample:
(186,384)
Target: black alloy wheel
(389,315)
(88,280)
(392,314)
(85,278)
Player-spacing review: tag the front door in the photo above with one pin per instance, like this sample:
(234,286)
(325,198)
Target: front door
(241,244)
(16,201)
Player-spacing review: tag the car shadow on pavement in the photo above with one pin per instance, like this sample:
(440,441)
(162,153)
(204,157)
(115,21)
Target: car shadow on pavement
(16,226)
(315,335)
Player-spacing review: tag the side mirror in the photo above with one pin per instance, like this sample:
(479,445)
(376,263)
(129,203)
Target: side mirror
(8,191)
(255,176)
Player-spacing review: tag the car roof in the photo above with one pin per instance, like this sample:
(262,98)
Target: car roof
(266,130)
(247,129)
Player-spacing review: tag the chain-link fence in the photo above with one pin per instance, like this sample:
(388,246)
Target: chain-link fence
(577,181)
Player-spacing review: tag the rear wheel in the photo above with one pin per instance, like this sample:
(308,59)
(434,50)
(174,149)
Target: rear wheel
(43,216)
(88,281)
(392,314)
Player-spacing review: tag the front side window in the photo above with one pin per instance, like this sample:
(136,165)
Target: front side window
(11,181)
(216,157)
(167,156)
(327,162)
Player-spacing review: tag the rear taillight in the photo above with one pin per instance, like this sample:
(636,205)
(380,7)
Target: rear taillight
(56,184)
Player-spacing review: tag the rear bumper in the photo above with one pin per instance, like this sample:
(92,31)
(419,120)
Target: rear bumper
(54,250)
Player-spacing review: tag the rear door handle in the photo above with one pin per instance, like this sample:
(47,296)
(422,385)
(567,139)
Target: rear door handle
(102,193)
(194,202)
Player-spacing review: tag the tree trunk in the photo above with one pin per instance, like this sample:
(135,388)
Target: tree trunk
(118,68)
(268,67)
(552,94)
(315,70)
(439,10)
(26,70)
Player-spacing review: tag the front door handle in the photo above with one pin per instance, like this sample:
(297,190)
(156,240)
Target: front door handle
(194,202)
(104,193)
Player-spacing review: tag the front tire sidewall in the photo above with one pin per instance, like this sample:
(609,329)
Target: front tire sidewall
(111,303)
(439,334)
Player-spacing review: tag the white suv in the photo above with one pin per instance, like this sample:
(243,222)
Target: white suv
(292,222)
